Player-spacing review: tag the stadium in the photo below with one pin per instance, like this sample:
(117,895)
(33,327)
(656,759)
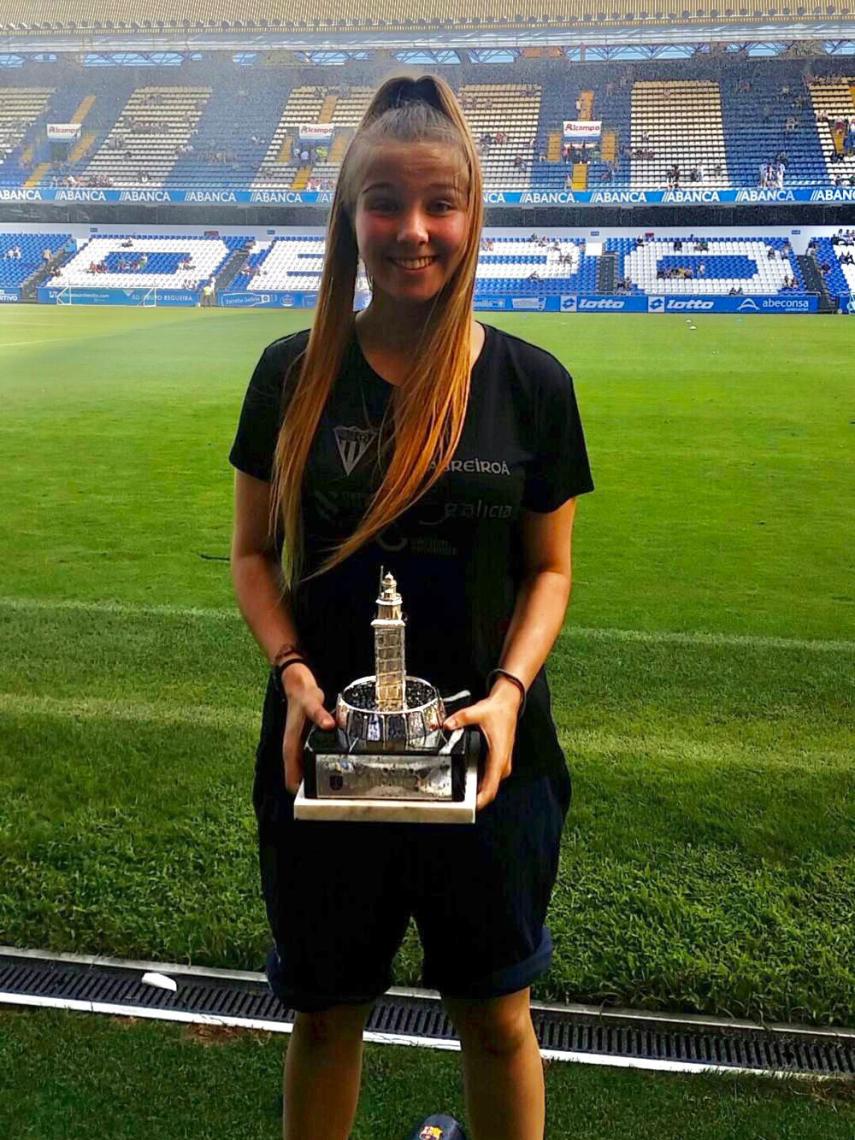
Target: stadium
(669,196)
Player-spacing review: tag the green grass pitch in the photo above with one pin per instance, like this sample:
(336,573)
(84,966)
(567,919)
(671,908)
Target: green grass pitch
(702,683)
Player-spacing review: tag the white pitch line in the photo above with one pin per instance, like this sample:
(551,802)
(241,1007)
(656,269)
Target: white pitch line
(602,1012)
(579,741)
(595,633)
(133,712)
(141,610)
(378,1038)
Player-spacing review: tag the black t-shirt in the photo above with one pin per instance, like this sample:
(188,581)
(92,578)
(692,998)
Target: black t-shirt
(456,552)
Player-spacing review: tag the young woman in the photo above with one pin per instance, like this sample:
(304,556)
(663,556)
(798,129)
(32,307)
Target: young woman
(413,437)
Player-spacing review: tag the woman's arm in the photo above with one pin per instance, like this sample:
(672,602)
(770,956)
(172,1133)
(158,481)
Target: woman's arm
(256,574)
(257,579)
(538,615)
(544,593)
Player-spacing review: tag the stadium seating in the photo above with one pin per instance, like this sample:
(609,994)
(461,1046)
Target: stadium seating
(162,271)
(147,138)
(766,115)
(216,125)
(839,279)
(516,265)
(294,264)
(511,110)
(753,265)
(834,100)
(306,105)
(20,108)
(232,135)
(14,271)
(677,123)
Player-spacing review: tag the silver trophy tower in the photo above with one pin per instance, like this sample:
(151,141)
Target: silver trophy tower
(390,711)
(389,655)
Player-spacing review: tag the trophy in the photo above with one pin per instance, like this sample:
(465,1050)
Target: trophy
(388,758)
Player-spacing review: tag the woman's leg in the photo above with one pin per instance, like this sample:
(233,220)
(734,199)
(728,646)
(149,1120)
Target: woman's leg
(323,1071)
(502,1066)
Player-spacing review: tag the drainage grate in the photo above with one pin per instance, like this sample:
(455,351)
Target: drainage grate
(607,1037)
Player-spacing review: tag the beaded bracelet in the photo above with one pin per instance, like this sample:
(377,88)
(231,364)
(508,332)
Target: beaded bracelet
(515,680)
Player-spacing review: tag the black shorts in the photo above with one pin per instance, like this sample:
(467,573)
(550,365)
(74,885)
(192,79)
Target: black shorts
(339,895)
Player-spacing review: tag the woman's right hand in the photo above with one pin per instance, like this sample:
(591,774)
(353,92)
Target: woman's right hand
(305,707)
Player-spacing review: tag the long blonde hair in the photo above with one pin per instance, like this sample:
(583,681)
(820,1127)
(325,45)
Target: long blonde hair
(429,408)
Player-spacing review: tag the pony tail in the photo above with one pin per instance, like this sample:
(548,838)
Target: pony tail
(401,90)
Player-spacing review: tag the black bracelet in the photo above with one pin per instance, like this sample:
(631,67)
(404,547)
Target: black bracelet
(278,670)
(515,680)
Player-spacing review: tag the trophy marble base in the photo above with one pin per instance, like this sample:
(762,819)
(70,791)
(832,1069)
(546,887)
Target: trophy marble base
(411,786)
(393,811)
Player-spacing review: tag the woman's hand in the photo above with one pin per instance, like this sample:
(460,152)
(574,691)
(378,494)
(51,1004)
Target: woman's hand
(496,716)
(305,703)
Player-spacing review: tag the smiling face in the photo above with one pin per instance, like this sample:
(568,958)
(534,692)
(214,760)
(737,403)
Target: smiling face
(411,219)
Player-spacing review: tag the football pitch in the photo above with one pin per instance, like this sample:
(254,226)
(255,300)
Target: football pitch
(701,686)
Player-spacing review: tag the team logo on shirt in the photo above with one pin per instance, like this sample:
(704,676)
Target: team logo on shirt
(352,443)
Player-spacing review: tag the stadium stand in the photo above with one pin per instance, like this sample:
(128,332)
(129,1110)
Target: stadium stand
(677,132)
(136,268)
(839,274)
(22,256)
(149,135)
(834,107)
(767,116)
(713,266)
(519,265)
(503,119)
(20,108)
(217,126)
(146,261)
(232,135)
(341,107)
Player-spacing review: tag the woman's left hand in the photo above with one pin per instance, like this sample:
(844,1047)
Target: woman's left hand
(496,716)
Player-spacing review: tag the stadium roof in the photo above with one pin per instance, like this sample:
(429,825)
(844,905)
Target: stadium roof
(180,17)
